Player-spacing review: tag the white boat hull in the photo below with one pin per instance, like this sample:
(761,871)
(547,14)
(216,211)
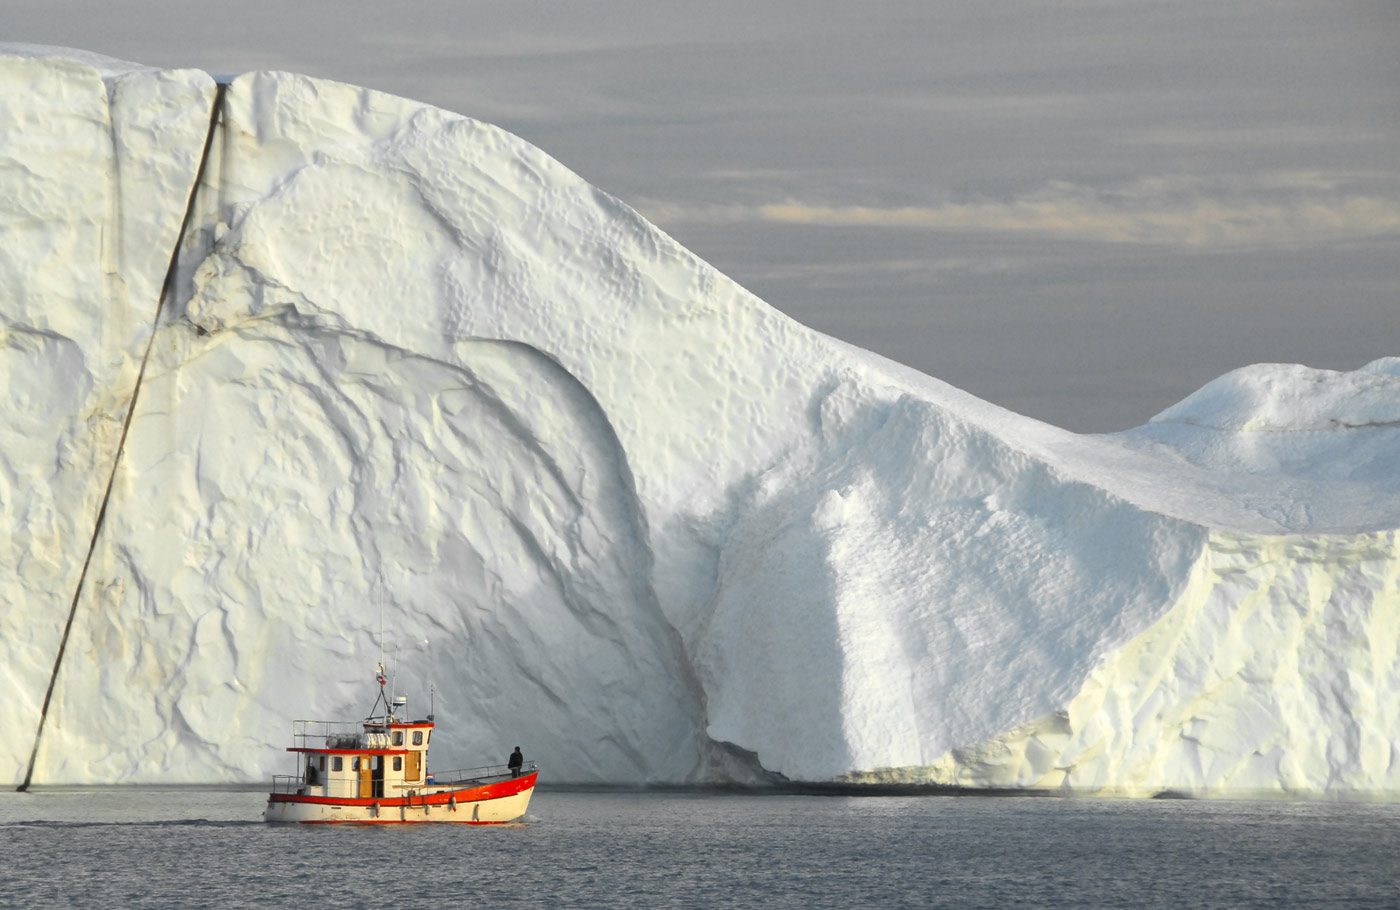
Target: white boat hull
(490,805)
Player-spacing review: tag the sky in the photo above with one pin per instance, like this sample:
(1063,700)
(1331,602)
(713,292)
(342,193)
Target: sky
(1082,211)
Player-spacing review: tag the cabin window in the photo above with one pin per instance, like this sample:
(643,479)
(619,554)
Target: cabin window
(338,763)
(398,737)
(355,763)
(398,762)
(323,763)
(418,737)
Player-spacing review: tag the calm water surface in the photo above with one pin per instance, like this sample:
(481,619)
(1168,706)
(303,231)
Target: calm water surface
(207,848)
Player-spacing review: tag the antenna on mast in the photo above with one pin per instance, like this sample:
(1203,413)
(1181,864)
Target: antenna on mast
(432,681)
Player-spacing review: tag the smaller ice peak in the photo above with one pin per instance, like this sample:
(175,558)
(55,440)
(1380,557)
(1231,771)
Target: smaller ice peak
(1390,365)
(1282,398)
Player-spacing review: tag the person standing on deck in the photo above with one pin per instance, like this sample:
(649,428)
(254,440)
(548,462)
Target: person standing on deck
(516,761)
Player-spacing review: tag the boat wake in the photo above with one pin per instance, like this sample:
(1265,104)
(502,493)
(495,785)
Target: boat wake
(167,823)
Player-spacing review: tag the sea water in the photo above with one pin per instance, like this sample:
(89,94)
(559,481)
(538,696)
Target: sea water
(182,847)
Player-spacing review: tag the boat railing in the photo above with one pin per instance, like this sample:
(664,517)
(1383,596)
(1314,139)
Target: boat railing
(296,785)
(328,734)
(478,775)
(287,783)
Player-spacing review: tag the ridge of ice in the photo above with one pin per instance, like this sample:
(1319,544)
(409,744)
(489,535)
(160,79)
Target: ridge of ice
(649,528)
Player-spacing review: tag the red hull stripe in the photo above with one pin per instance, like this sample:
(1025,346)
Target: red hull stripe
(351,751)
(441,798)
(394,821)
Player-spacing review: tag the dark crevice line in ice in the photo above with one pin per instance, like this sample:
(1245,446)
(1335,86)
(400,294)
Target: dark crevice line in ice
(166,290)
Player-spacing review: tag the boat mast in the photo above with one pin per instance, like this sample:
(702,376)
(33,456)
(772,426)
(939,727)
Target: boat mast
(379,675)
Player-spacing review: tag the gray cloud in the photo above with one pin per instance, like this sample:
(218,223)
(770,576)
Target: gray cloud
(1285,210)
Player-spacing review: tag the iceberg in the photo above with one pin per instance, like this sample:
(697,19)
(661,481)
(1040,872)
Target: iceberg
(284,355)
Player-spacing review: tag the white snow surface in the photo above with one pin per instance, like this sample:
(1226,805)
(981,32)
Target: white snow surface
(613,507)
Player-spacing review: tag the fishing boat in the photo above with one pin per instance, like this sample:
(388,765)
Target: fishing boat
(376,771)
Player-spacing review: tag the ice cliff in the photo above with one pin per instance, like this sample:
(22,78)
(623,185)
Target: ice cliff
(612,507)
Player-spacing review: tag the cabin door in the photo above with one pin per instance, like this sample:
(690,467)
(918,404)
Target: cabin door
(378,776)
(413,766)
(366,778)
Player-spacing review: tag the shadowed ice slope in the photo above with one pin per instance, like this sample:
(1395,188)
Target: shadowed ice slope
(655,530)
(289,464)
